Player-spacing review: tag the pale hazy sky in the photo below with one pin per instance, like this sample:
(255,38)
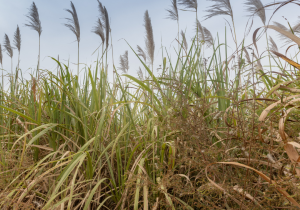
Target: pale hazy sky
(126,23)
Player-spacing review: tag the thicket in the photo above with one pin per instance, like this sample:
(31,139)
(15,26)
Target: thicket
(206,133)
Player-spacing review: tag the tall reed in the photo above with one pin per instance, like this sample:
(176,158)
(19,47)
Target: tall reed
(74,26)
(185,44)
(1,61)
(173,15)
(101,149)
(35,24)
(191,4)
(106,25)
(1,57)
(98,29)
(149,39)
(9,50)
(17,43)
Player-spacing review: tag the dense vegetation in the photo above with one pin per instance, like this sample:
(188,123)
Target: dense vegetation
(206,133)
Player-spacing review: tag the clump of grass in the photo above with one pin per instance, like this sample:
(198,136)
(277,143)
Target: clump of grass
(91,146)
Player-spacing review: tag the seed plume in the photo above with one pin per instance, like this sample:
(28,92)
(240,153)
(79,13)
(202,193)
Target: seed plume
(208,37)
(185,45)
(98,29)
(273,45)
(256,8)
(107,26)
(199,28)
(189,4)
(102,11)
(124,63)
(7,46)
(173,12)
(221,7)
(296,28)
(280,26)
(247,55)
(1,55)
(204,34)
(34,19)
(149,40)
(283,37)
(141,53)
(73,23)
(17,39)
(140,73)
(105,21)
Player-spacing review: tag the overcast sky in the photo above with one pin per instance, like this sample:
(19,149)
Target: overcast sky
(126,23)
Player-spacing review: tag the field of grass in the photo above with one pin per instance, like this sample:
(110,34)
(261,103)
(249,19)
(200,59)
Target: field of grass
(206,133)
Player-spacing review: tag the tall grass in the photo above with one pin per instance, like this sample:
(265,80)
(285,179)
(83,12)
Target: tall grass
(35,24)
(74,26)
(193,137)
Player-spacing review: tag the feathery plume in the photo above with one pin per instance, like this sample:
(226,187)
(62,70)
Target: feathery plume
(200,30)
(141,53)
(17,39)
(173,12)
(149,40)
(35,24)
(1,55)
(9,50)
(185,45)
(204,35)
(280,26)
(247,55)
(140,73)
(189,4)
(296,28)
(73,24)
(257,8)
(7,46)
(34,19)
(102,12)
(283,37)
(105,21)
(273,45)
(208,37)
(98,29)
(221,7)
(107,27)
(124,63)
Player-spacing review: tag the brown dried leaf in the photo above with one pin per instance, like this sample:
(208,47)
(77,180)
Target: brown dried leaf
(293,155)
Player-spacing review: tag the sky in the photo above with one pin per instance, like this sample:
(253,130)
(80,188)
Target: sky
(126,18)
